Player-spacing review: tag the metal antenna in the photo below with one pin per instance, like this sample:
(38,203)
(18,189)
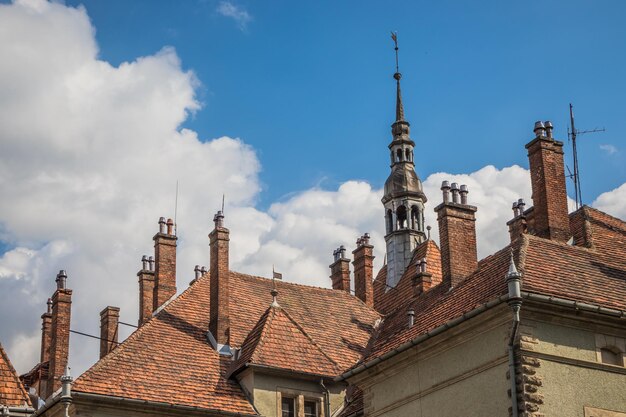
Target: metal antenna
(223,197)
(572,133)
(176,211)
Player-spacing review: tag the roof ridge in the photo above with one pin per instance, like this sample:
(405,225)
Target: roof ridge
(281,282)
(13,373)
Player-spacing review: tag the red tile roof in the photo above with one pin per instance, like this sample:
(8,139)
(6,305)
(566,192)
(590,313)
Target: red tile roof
(277,341)
(169,359)
(595,275)
(12,392)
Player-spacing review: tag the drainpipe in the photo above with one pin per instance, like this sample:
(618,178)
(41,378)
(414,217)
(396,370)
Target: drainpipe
(66,391)
(513,280)
(326,398)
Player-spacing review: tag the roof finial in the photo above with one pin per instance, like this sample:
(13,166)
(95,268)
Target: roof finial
(397,76)
(274,291)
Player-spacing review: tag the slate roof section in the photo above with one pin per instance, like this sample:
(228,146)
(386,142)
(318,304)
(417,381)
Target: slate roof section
(12,392)
(278,342)
(169,359)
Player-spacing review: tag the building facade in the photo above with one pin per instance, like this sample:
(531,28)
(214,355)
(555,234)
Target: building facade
(535,329)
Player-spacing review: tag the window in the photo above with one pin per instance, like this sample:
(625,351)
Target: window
(288,406)
(610,349)
(310,409)
(611,356)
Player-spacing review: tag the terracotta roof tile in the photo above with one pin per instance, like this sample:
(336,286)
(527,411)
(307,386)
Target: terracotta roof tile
(169,359)
(595,275)
(12,392)
(277,341)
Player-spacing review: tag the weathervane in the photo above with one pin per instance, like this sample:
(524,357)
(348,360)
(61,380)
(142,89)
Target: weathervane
(394,36)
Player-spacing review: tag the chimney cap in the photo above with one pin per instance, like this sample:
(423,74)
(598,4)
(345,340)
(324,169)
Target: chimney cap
(161,220)
(464,188)
(445,185)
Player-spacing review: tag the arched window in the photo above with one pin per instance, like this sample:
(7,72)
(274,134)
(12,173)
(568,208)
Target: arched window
(611,356)
(389,221)
(408,155)
(415,217)
(399,154)
(401,216)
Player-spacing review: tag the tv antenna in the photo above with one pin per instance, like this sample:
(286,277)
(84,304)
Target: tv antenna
(572,134)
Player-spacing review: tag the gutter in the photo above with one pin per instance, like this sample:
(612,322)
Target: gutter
(156,404)
(473,313)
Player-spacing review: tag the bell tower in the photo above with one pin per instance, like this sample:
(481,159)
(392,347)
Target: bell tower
(404,197)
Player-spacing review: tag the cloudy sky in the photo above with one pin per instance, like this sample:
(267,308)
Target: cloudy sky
(105,106)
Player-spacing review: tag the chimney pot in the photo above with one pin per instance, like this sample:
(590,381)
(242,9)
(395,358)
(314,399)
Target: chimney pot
(162,225)
(520,205)
(151,262)
(445,187)
(49,303)
(455,192)
(515,209)
(197,271)
(540,129)
(144,263)
(411,315)
(219,219)
(170,227)
(61,279)
(549,127)
(464,192)
(203,270)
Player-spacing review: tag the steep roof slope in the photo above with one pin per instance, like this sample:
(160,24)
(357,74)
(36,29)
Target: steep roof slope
(277,341)
(169,359)
(12,392)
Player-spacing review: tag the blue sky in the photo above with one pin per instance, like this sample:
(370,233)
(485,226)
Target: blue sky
(93,133)
(309,86)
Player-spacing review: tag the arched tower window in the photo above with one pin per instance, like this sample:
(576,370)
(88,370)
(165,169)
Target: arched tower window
(415,217)
(399,155)
(401,215)
(389,221)
(408,155)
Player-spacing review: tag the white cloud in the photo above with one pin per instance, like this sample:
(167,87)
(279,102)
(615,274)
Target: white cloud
(89,158)
(612,202)
(237,13)
(609,149)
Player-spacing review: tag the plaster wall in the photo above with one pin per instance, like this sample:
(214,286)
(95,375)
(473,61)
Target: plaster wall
(446,376)
(269,389)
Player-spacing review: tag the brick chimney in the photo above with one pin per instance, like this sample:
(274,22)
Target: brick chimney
(364,270)
(165,257)
(219,321)
(46,329)
(340,270)
(457,234)
(146,289)
(59,333)
(109,319)
(518,225)
(547,175)
(422,281)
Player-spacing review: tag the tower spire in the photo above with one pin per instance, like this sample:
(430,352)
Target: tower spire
(398,76)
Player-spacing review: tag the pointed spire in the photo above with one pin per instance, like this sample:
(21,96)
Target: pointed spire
(512,273)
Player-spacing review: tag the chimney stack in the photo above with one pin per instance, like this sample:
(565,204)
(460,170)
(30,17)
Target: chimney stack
(219,321)
(59,333)
(517,225)
(457,234)
(46,325)
(423,279)
(364,270)
(146,289)
(340,270)
(109,319)
(165,256)
(547,175)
